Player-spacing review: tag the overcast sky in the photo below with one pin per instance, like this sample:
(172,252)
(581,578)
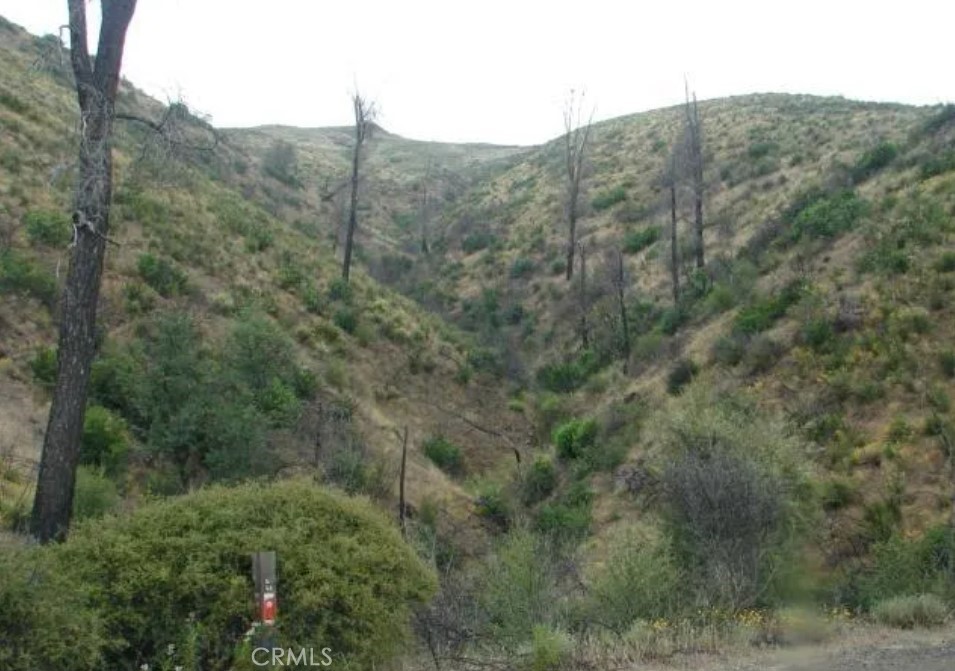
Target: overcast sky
(498,70)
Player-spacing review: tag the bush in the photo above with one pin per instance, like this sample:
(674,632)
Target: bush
(639,580)
(539,481)
(105,441)
(475,242)
(737,499)
(908,612)
(95,494)
(46,621)
(568,376)
(946,263)
(764,312)
(637,241)
(444,454)
(873,161)
(575,437)
(19,274)
(829,216)
(281,162)
(346,319)
(52,229)
(567,520)
(550,649)
(680,375)
(762,354)
(902,567)
(946,361)
(43,365)
(340,290)
(730,349)
(347,579)
(607,199)
(522,267)
(492,505)
(166,279)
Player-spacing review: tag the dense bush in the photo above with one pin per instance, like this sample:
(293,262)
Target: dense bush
(105,441)
(19,274)
(43,366)
(346,319)
(444,454)
(475,242)
(46,620)
(681,374)
(829,216)
(903,567)
(539,481)
(575,437)
(564,377)
(161,275)
(52,229)
(607,199)
(873,161)
(567,520)
(636,241)
(762,313)
(281,162)
(522,267)
(346,578)
(95,494)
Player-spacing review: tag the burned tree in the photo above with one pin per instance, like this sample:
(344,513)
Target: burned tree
(694,158)
(97,81)
(583,304)
(576,138)
(364,116)
(618,278)
(670,178)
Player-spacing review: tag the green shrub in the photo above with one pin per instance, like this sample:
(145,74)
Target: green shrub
(340,290)
(138,297)
(908,612)
(475,242)
(567,520)
(105,441)
(19,274)
(550,649)
(762,354)
(946,262)
(165,278)
(829,216)
(281,162)
(640,579)
(637,241)
(52,229)
(946,361)
(565,377)
(680,375)
(937,163)
(95,494)
(607,199)
(673,318)
(902,567)
(492,505)
(346,319)
(764,312)
(347,579)
(43,365)
(444,454)
(729,350)
(873,161)
(575,437)
(539,481)
(818,334)
(522,267)
(46,620)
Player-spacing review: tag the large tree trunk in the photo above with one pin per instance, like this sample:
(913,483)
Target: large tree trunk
(96,92)
(674,248)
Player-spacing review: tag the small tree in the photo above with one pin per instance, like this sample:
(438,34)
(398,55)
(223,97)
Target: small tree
(281,162)
(97,81)
(365,113)
(576,139)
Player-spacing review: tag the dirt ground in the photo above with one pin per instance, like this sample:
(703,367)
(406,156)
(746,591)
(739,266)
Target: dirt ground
(865,649)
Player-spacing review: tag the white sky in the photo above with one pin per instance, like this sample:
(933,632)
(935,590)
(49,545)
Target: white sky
(498,71)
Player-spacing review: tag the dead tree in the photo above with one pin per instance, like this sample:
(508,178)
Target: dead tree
(670,178)
(364,116)
(576,138)
(97,81)
(694,154)
(402,506)
(425,208)
(618,279)
(583,305)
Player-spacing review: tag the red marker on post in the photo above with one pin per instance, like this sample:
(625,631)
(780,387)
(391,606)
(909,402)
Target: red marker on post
(263,574)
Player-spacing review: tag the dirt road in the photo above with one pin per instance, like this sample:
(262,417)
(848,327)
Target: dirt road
(865,650)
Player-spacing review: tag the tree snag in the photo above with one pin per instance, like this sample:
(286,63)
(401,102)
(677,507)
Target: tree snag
(97,81)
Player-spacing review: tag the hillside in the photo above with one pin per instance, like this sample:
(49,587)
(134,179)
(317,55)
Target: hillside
(610,488)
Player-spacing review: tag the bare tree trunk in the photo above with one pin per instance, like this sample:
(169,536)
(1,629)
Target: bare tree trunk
(364,114)
(582,299)
(402,510)
(425,210)
(96,86)
(620,281)
(674,246)
(576,138)
(696,159)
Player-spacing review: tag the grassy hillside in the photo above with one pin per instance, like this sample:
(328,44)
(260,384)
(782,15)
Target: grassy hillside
(781,434)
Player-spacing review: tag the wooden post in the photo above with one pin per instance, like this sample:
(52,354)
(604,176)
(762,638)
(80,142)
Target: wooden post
(266,586)
(401,484)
